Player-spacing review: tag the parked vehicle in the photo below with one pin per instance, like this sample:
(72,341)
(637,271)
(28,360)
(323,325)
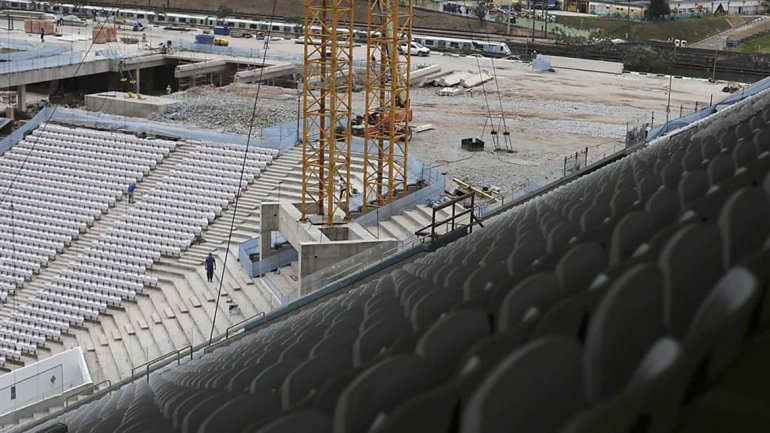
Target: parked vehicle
(416,49)
(73,20)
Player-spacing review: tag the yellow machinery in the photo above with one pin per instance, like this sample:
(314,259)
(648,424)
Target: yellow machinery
(388,111)
(327,106)
(326,102)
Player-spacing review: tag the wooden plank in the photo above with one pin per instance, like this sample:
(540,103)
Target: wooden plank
(156,318)
(169,314)
(90,345)
(182,308)
(208,296)
(195,302)
(116,335)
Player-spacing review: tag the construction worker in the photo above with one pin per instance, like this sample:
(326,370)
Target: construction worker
(211,264)
(131,188)
(341,186)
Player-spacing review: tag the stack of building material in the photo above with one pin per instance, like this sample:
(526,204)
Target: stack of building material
(34,26)
(104,34)
(464,79)
(473,80)
(449,91)
(453,79)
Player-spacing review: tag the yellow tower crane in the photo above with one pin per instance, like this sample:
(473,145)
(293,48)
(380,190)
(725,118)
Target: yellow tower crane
(327,112)
(388,111)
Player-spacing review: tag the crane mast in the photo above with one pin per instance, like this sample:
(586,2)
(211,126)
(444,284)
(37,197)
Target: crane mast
(327,106)
(388,111)
(327,112)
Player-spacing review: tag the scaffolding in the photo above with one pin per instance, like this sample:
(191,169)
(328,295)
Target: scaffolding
(388,111)
(327,110)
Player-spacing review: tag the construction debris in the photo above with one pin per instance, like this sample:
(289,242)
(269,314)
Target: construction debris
(450,91)
(203,106)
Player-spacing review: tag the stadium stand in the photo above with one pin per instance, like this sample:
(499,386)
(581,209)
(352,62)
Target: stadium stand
(165,221)
(633,299)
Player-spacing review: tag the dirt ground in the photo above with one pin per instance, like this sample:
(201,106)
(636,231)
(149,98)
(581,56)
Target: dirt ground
(549,115)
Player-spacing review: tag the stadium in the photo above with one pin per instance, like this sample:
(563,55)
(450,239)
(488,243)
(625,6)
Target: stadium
(270,237)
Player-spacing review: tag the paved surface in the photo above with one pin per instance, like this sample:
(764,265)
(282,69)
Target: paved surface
(719,41)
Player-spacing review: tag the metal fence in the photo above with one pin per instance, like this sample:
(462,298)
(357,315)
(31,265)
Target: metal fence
(216,49)
(41,63)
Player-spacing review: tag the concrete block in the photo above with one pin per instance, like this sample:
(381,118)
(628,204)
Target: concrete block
(129,329)
(142,324)
(121,104)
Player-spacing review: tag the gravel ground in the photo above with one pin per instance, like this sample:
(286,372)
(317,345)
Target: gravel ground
(229,108)
(549,116)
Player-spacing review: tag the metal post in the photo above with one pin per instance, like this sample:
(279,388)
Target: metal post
(668,103)
(533,28)
(510,10)
(714,70)
(564,169)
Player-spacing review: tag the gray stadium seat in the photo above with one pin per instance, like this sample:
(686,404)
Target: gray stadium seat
(378,389)
(626,323)
(692,261)
(535,389)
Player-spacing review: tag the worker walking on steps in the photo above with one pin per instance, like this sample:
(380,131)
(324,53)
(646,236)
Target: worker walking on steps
(341,186)
(267,42)
(42,34)
(131,188)
(211,264)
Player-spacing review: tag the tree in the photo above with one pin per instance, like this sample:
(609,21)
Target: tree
(659,8)
(648,59)
(517,6)
(224,11)
(481,11)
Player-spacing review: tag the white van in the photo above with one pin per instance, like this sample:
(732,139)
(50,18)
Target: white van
(416,49)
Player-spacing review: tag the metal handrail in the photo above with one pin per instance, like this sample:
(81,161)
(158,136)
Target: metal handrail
(148,364)
(254,317)
(91,388)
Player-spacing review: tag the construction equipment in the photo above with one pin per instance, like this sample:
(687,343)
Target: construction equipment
(388,112)
(327,90)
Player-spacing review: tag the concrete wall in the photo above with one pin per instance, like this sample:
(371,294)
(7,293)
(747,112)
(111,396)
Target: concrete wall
(316,256)
(119,103)
(45,379)
(585,65)
(284,217)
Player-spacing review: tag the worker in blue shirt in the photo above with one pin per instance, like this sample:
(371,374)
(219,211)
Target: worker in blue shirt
(131,188)
(210,266)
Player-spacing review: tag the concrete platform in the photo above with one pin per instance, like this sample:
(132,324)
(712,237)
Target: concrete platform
(121,104)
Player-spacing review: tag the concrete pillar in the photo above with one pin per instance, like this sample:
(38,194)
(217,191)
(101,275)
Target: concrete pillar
(21,97)
(137,77)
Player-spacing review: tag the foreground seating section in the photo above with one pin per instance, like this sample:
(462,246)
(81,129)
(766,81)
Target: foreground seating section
(164,221)
(625,301)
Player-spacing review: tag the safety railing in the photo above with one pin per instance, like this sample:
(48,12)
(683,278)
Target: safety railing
(240,325)
(163,357)
(357,263)
(90,389)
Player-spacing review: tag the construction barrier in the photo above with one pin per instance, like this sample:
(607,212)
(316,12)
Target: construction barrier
(104,34)
(34,26)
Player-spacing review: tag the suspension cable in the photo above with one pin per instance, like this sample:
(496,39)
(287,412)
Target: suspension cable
(240,181)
